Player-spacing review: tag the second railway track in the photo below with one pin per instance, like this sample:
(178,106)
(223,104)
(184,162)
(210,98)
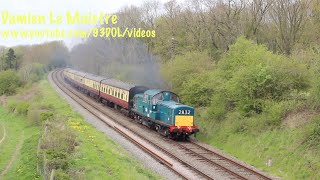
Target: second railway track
(187,159)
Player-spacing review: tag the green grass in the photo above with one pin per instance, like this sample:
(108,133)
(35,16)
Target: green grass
(1,131)
(291,157)
(23,167)
(97,157)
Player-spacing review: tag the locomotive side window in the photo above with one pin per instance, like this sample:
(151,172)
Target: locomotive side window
(145,97)
(157,98)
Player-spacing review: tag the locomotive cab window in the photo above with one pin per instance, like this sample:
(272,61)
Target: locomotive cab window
(156,98)
(174,98)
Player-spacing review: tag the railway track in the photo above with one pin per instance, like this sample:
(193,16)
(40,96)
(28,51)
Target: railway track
(213,161)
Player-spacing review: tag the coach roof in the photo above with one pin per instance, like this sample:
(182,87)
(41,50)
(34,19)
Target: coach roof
(117,83)
(94,77)
(79,73)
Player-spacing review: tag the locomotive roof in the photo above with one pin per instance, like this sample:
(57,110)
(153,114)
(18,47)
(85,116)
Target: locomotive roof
(173,104)
(118,84)
(152,92)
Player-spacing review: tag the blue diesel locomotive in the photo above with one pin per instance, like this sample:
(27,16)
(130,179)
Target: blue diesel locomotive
(157,109)
(162,111)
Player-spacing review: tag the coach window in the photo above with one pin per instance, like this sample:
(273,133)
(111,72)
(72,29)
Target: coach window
(122,96)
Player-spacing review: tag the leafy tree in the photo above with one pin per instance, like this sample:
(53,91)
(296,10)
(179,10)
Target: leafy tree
(10,58)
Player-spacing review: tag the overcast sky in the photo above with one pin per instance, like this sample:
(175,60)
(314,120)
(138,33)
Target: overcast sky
(43,7)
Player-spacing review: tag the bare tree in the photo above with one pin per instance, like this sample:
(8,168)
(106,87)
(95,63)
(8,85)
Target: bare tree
(288,18)
(257,12)
(224,21)
(172,12)
(150,12)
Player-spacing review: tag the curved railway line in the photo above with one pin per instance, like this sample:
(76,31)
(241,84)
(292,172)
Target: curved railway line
(189,159)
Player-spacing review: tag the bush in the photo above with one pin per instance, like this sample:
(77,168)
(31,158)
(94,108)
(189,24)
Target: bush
(9,82)
(22,108)
(12,104)
(57,159)
(34,117)
(46,116)
(249,75)
(314,137)
(60,175)
(181,70)
(197,91)
(57,144)
(19,107)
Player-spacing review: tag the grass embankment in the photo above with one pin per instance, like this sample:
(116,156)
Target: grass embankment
(285,148)
(68,144)
(24,165)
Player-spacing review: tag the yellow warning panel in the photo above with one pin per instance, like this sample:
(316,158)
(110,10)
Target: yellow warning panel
(184,120)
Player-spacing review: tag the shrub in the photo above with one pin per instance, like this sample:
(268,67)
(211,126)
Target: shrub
(184,68)
(314,137)
(22,108)
(197,91)
(12,104)
(19,107)
(249,75)
(60,175)
(57,159)
(46,116)
(57,143)
(34,116)
(9,82)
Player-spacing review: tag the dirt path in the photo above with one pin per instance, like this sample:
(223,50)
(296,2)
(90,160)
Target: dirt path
(14,156)
(4,134)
